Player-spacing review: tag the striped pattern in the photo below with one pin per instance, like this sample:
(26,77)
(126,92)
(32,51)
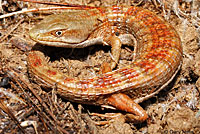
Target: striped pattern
(158,56)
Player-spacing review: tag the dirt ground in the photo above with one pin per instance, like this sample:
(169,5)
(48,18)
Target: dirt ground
(25,107)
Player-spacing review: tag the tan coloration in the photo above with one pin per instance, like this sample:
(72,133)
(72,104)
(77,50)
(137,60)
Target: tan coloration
(158,55)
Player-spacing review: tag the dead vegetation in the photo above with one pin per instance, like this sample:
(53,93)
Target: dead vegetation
(27,108)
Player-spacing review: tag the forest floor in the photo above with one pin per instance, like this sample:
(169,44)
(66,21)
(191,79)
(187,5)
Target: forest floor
(26,107)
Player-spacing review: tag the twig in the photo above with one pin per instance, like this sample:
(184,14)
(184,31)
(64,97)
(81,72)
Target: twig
(9,32)
(11,115)
(55,3)
(24,85)
(25,10)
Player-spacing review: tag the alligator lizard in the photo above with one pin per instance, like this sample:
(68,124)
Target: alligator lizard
(158,55)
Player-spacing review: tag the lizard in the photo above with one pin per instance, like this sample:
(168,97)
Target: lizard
(158,55)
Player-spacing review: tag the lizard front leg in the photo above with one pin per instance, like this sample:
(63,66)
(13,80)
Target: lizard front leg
(115,50)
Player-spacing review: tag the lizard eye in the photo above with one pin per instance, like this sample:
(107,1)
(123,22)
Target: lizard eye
(58,33)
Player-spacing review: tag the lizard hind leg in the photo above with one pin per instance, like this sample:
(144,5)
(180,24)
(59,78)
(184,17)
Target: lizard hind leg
(125,103)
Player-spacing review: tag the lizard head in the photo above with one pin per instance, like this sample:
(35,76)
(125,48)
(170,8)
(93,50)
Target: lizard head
(64,30)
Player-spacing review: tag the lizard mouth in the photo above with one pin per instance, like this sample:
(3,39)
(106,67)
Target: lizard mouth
(61,43)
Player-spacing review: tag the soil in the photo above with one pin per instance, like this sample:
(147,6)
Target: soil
(26,107)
